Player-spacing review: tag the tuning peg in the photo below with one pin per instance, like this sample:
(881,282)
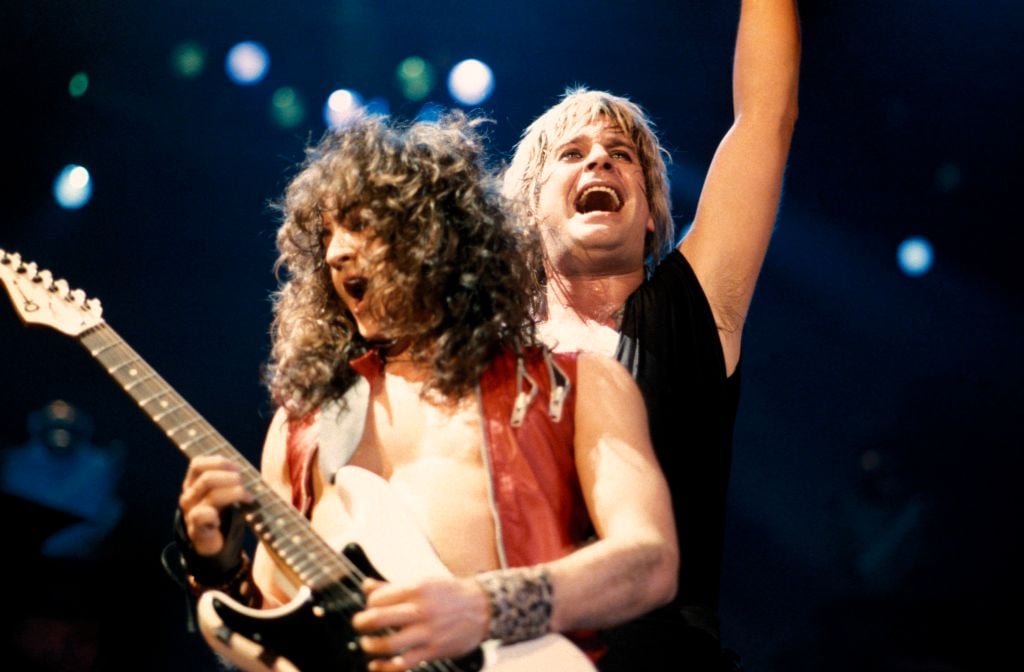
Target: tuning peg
(30,269)
(77,296)
(93,306)
(45,278)
(61,287)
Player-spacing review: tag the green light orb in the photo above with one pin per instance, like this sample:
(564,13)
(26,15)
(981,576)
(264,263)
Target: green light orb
(286,107)
(188,60)
(78,85)
(415,78)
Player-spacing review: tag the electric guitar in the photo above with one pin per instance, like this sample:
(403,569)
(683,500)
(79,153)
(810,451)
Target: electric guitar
(313,631)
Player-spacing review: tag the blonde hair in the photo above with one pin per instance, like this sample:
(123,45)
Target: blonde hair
(580,106)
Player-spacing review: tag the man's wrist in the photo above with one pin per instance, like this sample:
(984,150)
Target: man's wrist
(210,570)
(520,603)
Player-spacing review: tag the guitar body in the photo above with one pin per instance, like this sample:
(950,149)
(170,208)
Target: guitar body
(312,632)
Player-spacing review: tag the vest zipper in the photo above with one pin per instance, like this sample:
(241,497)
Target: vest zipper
(485,449)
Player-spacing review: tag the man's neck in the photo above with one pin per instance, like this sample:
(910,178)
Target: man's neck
(596,299)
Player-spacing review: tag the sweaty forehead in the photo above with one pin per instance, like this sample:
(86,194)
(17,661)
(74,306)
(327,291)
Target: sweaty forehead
(600,128)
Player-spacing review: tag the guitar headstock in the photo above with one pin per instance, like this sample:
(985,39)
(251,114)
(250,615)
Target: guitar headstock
(39,299)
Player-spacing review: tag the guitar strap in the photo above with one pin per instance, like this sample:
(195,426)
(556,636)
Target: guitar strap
(340,427)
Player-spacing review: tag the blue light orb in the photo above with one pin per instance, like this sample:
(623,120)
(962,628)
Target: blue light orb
(247,63)
(915,256)
(471,82)
(73,187)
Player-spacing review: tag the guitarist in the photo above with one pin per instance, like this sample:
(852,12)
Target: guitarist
(406,304)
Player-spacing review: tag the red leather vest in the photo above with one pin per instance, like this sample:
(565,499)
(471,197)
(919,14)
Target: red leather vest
(540,514)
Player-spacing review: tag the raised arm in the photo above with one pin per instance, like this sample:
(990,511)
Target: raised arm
(739,202)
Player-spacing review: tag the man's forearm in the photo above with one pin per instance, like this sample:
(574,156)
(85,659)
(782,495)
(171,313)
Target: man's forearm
(610,582)
(767,60)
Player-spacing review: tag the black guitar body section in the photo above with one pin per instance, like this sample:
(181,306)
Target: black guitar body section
(312,636)
(316,635)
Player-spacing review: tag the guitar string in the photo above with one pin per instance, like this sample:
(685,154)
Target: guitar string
(151,387)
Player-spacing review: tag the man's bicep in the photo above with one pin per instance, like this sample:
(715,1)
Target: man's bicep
(735,217)
(621,480)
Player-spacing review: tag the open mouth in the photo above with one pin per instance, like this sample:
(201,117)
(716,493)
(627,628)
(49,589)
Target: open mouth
(598,198)
(355,287)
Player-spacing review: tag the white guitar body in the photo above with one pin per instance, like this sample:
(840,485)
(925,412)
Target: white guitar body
(360,509)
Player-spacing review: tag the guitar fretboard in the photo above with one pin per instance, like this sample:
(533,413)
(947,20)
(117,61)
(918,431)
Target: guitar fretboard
(285,531)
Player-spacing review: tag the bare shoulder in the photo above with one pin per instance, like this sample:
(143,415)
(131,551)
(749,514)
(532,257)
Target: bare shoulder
(596,372)
(607,394)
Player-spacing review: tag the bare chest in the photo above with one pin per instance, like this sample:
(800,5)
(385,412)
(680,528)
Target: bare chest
(404,428)
(430,450)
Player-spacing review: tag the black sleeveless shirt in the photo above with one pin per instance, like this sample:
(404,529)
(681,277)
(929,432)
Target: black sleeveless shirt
(670,344)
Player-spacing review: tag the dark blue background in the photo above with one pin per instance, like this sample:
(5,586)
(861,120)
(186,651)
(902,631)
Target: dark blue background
(910,125)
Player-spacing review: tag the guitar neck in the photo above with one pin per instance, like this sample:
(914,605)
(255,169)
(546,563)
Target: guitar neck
(193,435)
(286,533)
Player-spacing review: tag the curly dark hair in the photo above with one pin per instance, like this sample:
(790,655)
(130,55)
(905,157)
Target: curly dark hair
(453,275)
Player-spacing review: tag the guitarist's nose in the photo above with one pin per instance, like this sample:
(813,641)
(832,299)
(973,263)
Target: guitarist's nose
(344,248)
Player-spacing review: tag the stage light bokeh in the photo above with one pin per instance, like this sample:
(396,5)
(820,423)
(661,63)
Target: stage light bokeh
(188,60)
(72,189)
(471,82)
(915,256)
(78,85)
(342,106)
(247,63)
(287,108)
(415,78)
